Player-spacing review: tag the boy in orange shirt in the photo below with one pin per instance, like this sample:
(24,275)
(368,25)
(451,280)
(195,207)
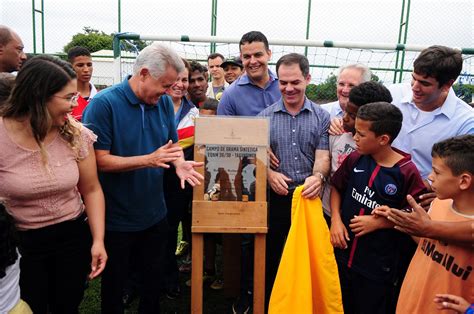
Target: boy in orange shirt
(443,266)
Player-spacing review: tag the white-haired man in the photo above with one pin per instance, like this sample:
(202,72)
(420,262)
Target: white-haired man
(349,76)
(135,142)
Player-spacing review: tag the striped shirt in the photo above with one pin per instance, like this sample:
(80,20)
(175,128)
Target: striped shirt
(295,139)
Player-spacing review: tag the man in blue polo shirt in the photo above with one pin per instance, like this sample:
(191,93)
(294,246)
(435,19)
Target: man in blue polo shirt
(257,88)
(252,92)
(135,142)
(300,141)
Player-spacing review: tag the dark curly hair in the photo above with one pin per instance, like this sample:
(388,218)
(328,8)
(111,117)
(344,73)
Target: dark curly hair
(369,92)
(8,241)
(197,66)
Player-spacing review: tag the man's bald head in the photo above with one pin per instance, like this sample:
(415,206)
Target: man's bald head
(11,50)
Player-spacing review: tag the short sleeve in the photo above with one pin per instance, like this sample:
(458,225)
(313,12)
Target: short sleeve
(98,116)
(88,138)
(225,108)
(265,113)
(413,182)
(341,177)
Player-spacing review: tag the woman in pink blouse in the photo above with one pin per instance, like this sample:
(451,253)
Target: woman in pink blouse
(46,158)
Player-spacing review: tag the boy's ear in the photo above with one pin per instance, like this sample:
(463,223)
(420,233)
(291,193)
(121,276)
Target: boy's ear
(466,181)
(384,139)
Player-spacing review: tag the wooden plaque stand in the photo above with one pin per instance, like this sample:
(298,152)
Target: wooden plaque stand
(232,135)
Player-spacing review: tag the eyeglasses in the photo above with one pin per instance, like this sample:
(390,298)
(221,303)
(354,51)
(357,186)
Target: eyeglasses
(72,99)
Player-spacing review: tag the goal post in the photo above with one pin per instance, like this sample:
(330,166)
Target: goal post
(391,62)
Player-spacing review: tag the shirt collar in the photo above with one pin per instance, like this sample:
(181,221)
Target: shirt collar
(281,107)
(448,108)
(188,103)
(339,110)
(131,97)
(244,79)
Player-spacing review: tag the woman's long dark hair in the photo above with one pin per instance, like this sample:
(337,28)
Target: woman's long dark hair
(8,241)
(37,81)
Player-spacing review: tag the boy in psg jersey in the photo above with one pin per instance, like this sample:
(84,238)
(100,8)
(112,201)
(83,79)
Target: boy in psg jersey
(369,252)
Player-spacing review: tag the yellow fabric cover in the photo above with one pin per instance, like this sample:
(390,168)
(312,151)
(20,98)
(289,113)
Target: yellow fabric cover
(21,308)
(307,280)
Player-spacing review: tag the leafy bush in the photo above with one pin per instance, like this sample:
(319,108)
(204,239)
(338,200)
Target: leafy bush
(464,91)
(326,91)
(91,39)
(96,40)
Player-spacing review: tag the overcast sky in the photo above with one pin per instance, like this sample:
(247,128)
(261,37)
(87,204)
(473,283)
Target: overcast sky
(446,22)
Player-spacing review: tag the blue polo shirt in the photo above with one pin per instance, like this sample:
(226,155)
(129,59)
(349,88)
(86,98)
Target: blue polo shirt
(243,98)
(134,199)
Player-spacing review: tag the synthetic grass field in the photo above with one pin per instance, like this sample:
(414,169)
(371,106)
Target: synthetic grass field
(214,301)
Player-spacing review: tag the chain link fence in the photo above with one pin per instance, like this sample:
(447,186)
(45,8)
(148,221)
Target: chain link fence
(424,22)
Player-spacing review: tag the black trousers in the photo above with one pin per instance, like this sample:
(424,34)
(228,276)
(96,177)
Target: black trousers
(279,222)
(178,203)
(246,263)
(54,266)
(361,295)
(150,244)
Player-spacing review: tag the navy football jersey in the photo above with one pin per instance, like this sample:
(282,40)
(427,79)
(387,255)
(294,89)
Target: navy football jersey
(364,185)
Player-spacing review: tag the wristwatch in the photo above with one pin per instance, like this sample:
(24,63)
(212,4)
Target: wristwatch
(319,174)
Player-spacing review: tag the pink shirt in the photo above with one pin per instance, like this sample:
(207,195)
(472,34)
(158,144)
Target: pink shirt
(35,197)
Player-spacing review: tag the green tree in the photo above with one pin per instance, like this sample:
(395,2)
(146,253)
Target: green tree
(464,91)
(96,40)
(91,39)
(324,92)
(375,78)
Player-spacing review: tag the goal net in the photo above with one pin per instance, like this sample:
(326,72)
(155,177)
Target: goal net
(390,63)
